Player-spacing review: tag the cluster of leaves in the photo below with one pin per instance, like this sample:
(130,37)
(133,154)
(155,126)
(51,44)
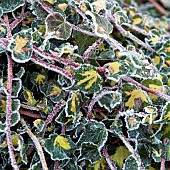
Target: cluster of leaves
(84,85)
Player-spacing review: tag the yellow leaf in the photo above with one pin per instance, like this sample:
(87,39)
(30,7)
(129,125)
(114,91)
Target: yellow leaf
(101,47)
(91,78)
(69,120)
(157,153)
(156,88)
(135,94)
(63,6)
(20,43)
(3,105)
(157,60)
(29,97)
(137,21)
(155,39)
(132,121)
(114,66)
(37,122)
(121,154)
(75,100)
(63,142)
(55,90)
(99,4)
(167,116)
(83,7)
(39,79)
(49,1)
(101,164)
(2,29)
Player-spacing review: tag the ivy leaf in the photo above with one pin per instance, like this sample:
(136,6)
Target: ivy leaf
(3,31)
(90,152)
(56,26)
(39,79)
(120,155)
(16,87)
(87,79)
(59,147)
(21,46)
(120,17)
(137,19)
(130,164)
(53,90)
(135,94)
(98,139)
(10,5)
(28,95)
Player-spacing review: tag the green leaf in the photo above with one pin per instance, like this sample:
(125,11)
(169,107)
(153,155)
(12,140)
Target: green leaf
(10,5)
(3,31)
(87,79)
(59,147)
(28,95)
(120,155)
(130,164)
(97,132)
(90,152)
(56,26)
(38,79)
(53,90)
(21,46)
(16,87)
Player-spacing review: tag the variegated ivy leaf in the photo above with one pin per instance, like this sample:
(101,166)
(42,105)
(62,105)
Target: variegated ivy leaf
(39,124)
(39,25)
(155,37)
(166,48)
(136,98)
(73,105)
(59,147)
(10,5)
(116,70)
(99,4)
(16,87)
(39,78)
(137,19)
(121,17)
(89,152)
(29,97)
(21,46)
(116,126)
(53,90)
(97,132)
(157,152)
(110,100)
(154,84)
(132,122)
(102,25)
(158,61)
(2,127)
(3,31)
(130,164)
(35,166)
(87,79)
(57,27)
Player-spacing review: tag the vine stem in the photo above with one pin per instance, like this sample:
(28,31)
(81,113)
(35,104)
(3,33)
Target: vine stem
(37,145)
(45,6)
(109,161)
(51,67)
(50,117)
(29,114)
(134,153)
(162,164)
(157,93)
(8,114)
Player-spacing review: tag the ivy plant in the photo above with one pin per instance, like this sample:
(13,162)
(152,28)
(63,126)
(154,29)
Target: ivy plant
(84,85)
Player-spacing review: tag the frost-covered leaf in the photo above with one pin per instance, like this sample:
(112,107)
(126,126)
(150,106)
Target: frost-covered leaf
(29,97)
(98,139)
(10,5)
(90,152)
(59,147)
(21,46)
(87,79)
(3,31)
(137,19)
(130,164)
(52,90)
(120,17)
(39,124)
(39,78)
(120,155)
(16,87)
(56,26)
(110,100)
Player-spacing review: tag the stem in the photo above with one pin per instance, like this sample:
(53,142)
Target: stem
(37,145)
(55,58)
(8,114)
(9,35)
(157,93)
(91,48)
(50,117)
(159,8)
(162,164)
(129,35)
(45,7)
(134,153)
(29,113)
(109,161)
(52,67)
(19,19)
